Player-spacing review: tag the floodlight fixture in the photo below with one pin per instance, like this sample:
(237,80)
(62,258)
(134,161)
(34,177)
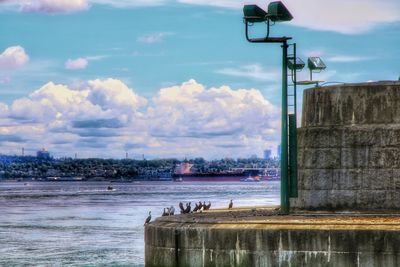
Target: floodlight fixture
(253,13)
(278,12)
(296,64)
(316,63)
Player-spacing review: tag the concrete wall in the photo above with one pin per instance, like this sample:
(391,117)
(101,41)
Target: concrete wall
(200,245)
(349,147)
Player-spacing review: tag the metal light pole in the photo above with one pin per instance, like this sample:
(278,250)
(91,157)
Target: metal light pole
(276,12)
(284,135)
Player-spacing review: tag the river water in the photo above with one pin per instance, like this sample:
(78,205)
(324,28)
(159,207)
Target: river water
(84,224)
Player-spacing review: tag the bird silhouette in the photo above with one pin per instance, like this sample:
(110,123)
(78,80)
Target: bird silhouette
(148,219)
(230,204)
(181,207)
(188,208)
(207,207)
(196,207)
(171,210)
(200,205)
(165,212)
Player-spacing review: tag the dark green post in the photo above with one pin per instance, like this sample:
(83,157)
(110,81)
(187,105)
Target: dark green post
(293,190)
(284,136)
(292,156)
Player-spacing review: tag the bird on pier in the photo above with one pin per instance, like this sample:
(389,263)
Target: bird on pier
(171,210)
(196,207)
(230,204)
(188,208)
(165,212)
(200,205)
(148,219)
(207,207)
(181,207)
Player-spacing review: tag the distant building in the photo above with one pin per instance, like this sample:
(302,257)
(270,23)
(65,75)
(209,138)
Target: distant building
(43,154)
(278,152)
(267,153)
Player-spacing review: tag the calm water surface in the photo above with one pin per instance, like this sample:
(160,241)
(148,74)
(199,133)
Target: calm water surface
(83,224)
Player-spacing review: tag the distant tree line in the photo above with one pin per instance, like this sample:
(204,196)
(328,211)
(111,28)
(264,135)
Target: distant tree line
(28,167)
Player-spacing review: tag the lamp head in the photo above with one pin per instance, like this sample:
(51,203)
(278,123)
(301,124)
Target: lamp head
(278,12)
(253,13)
(297,64)
(316,63)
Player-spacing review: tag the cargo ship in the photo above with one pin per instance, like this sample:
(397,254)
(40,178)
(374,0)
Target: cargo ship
(183,173)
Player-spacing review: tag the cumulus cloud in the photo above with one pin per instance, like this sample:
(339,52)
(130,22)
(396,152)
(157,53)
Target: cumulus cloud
(106,117)
(76,64)
(195,111)
(53,6)
(13,57)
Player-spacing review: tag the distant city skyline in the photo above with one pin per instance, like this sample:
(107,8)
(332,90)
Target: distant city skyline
(170,78)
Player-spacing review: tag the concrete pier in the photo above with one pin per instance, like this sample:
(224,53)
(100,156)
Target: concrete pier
(245,238)
(348,208)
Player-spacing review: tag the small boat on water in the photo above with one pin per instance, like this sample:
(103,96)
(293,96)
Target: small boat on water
(110,188)
(251,179)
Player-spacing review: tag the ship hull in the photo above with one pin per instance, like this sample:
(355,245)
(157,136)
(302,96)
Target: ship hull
(219,178)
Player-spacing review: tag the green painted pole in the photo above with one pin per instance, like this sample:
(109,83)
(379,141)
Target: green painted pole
(284,136)
(292,156)
(293,189)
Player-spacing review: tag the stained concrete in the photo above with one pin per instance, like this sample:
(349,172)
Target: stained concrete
(263,238)
(349,148)
(349,159)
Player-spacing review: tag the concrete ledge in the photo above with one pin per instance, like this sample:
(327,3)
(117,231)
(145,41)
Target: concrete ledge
(260,237)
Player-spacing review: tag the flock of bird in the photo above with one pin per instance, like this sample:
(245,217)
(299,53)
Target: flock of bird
(168,211)
(199,207)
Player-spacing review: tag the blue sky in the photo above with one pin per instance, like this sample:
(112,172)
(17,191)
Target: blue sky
(170,78)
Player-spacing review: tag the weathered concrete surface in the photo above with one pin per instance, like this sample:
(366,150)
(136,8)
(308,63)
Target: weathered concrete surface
(349,148)
(263,238)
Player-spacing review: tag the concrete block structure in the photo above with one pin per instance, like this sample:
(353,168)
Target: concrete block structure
(349,148)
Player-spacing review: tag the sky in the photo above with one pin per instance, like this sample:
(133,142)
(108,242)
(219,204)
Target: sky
(171,78)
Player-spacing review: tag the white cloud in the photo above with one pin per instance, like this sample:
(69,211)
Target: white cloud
(82,62)
(75,64)
(346,58)
(114,94)
(194,111)
(153,37)
(13,57)
(335,57)
(130,3)
(106,117)
(54,6)
(252,71)
(344,16)
(97,57)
